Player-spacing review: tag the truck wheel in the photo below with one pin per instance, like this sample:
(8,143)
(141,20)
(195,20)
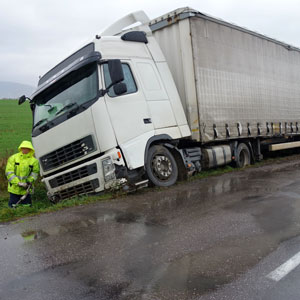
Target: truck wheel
(161,166)
(242,157)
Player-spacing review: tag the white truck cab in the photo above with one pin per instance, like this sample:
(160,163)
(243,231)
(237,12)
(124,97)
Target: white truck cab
(89,128)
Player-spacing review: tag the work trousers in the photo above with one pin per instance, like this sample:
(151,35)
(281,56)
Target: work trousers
(14,198)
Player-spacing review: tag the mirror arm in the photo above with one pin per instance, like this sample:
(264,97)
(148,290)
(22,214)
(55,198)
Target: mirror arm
(30,100)
(102,92)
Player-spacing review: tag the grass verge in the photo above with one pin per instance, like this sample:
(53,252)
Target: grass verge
(41,204)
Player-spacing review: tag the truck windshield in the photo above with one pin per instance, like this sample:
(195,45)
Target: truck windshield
(67,95)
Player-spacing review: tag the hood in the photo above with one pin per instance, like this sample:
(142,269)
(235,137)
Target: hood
(26,144)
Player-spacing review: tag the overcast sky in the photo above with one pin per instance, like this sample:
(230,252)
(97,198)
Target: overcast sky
(37,34)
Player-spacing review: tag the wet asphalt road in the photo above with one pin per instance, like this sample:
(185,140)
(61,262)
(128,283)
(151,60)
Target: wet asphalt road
(215,238)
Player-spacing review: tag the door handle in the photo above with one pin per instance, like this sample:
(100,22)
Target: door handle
(147,121)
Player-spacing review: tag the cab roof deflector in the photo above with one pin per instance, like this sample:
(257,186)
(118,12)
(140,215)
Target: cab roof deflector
(131,19)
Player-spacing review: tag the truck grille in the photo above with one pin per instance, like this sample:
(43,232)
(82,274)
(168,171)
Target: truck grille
(80,189)
(68,153)
(74,175)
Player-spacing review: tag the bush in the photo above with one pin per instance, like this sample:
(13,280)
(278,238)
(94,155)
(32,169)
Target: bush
(40,192)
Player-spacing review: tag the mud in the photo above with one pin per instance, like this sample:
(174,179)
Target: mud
(176,243)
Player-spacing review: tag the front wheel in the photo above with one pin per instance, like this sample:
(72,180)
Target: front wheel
(161,166)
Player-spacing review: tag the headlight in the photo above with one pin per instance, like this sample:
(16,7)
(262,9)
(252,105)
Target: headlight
(108,169)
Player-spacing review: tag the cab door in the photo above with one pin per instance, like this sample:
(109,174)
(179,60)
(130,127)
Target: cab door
(128,112)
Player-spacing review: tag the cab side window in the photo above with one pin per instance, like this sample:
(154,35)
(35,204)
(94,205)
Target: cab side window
(128,80)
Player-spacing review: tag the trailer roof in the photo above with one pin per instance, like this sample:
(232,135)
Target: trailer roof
(187,12)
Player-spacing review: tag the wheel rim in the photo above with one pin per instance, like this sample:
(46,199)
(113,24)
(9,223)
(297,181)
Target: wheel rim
(162,167)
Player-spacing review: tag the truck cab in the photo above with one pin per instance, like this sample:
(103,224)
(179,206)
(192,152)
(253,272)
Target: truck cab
(97,114)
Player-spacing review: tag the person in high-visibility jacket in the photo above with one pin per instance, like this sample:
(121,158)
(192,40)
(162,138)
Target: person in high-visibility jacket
(22,170)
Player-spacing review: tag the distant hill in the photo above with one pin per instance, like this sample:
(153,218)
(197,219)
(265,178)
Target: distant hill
(13,90)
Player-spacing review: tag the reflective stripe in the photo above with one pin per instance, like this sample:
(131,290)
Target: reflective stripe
(19,177)
(34,175)
(12,177)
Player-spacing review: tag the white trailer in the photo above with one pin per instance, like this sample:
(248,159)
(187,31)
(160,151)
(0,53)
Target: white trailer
(162,100)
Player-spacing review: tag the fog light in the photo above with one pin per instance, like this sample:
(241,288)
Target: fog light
(108,169)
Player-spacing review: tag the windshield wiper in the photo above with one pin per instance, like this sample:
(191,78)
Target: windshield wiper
(66,107)
(40,122)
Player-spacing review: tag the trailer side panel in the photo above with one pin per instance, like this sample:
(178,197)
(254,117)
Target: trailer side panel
(243,80)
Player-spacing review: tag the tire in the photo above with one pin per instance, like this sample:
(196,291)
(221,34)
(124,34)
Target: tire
(161,167)
(242,158)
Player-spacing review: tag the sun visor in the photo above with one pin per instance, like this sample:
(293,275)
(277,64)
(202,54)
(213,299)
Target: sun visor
(69,65)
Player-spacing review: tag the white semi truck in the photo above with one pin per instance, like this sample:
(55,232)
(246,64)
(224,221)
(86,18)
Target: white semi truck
(163,100)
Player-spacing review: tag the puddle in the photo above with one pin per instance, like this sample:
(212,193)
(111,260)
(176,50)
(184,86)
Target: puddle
(107,218)
(31,235)
(86,223)
(156,221)
(17,222)
(183,276)
(254,198)
(28,235)
(207,270)
(127,218)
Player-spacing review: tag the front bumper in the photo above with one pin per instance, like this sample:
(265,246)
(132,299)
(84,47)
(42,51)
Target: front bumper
(83,179)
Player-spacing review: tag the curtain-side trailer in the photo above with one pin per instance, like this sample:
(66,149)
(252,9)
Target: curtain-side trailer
(234,84)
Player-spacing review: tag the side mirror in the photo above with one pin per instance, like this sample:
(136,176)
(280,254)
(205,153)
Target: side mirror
(22,99)
(120,88)
(115,71)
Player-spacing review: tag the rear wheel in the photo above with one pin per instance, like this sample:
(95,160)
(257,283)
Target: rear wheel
(242,158)
(161,166)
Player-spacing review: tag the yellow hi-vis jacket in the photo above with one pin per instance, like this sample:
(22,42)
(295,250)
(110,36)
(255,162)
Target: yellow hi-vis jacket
(21,168)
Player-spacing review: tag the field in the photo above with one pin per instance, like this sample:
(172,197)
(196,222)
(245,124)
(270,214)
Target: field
(15,125)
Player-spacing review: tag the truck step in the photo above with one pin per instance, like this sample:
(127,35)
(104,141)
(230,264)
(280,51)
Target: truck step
(128,188)
(141,184)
